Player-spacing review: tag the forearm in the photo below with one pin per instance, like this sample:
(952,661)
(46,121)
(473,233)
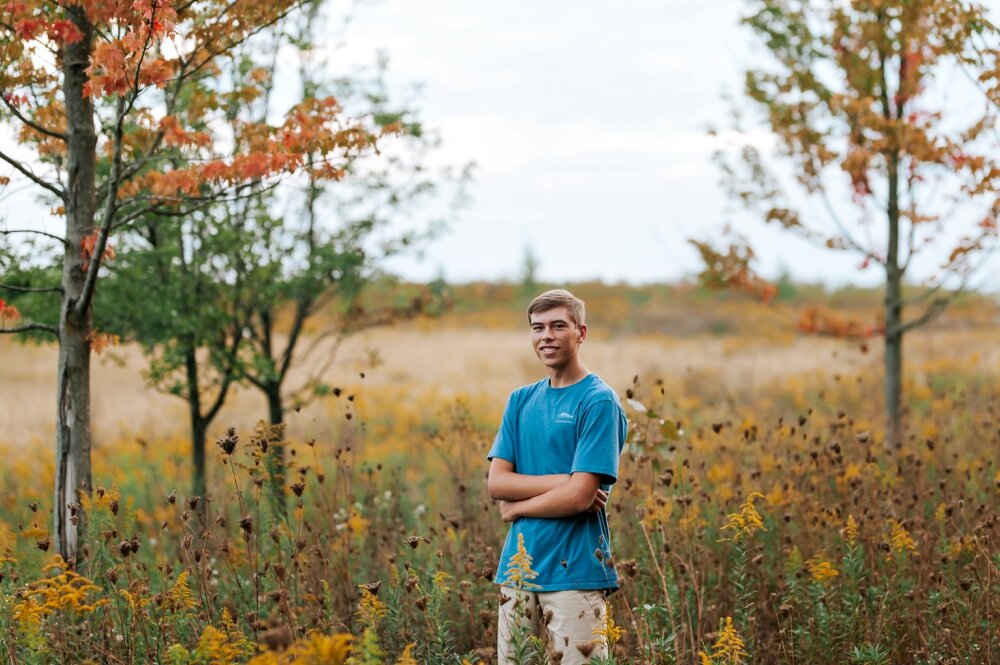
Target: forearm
(512,486)
(563,500)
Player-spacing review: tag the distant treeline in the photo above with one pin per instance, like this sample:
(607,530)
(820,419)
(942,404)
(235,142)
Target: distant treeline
(682,308)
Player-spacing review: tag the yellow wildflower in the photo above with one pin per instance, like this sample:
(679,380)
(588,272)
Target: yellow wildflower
(314,648)
(222,646)
(319,648)
(439,580)
(519,572)
(728,648)
(851,531)
(821,570)
(28,613)
(370,608)
(135,601)
(358,524)
(958,547)
(179,596)
(34,532)
(746,521)
(656,511)
(406,658)
(900,539)
(940,513)
(609,630)
(214,646)
(63,591)
(7,541)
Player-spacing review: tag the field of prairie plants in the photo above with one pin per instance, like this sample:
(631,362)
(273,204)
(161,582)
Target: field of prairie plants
(754,522)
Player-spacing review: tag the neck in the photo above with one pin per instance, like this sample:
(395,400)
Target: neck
(560,377)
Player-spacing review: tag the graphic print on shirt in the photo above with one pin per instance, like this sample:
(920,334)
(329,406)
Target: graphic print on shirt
(566,417)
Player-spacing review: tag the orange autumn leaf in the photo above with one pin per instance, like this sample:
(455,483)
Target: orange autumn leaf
(99,341)
(8,312)
(87,247)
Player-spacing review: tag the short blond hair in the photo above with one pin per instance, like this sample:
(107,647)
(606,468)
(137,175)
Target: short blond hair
(559,298)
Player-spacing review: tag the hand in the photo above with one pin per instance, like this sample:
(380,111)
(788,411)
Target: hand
(599,502)
(508,511)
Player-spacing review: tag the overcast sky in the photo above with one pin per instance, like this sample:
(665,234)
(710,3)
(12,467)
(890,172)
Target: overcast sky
(587,123)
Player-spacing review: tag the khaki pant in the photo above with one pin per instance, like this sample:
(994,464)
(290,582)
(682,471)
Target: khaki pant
(573,620)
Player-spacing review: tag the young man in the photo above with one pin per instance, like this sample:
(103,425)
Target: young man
(551,467)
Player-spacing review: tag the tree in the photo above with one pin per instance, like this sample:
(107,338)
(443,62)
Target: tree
(264,265)
(331,245)
(852,95)
(118,103)
(183,292)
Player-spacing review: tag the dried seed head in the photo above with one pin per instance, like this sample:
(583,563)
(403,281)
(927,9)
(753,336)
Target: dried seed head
(298,488)
(125,548)
(228,442)
(44,544)
(172,497)
(246,523)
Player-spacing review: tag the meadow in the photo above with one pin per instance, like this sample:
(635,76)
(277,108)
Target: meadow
(760,517)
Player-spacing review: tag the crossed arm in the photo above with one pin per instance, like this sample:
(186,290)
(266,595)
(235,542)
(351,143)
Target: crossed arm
(555,495)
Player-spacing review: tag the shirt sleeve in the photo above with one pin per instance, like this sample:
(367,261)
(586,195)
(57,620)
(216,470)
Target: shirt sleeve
(503,444)
(600,441)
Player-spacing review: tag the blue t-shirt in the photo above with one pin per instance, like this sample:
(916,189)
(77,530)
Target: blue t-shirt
(548,430)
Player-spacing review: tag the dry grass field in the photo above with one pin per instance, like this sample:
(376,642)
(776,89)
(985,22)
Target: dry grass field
(451,359)
(774,527)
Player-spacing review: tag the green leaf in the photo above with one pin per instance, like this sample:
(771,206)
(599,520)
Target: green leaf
(668,429)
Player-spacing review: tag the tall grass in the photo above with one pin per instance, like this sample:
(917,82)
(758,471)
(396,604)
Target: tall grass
(764,525)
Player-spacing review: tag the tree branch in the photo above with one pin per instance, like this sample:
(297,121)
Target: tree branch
(28,173)
(110,206)
(31,289)
(31,123)
(933,310)
(41,327)
(41,233)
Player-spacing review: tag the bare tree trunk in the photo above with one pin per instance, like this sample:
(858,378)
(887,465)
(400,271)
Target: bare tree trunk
(199,429)
(73,440)
(893,317)
(276,448)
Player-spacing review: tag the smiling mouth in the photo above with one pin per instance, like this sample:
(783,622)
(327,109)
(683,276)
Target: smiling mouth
(548,349)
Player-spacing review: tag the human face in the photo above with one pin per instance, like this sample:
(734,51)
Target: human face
(555,338)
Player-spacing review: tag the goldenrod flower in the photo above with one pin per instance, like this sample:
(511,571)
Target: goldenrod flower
(179,596)
(609,630)
(851,531)
(746,521)
(370,608)
(63,591)
(821,570)
(406,658)
(228,645)
(728,648)
(314,648)
(439,580)
(358,524)
(519,572)
(900,539)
